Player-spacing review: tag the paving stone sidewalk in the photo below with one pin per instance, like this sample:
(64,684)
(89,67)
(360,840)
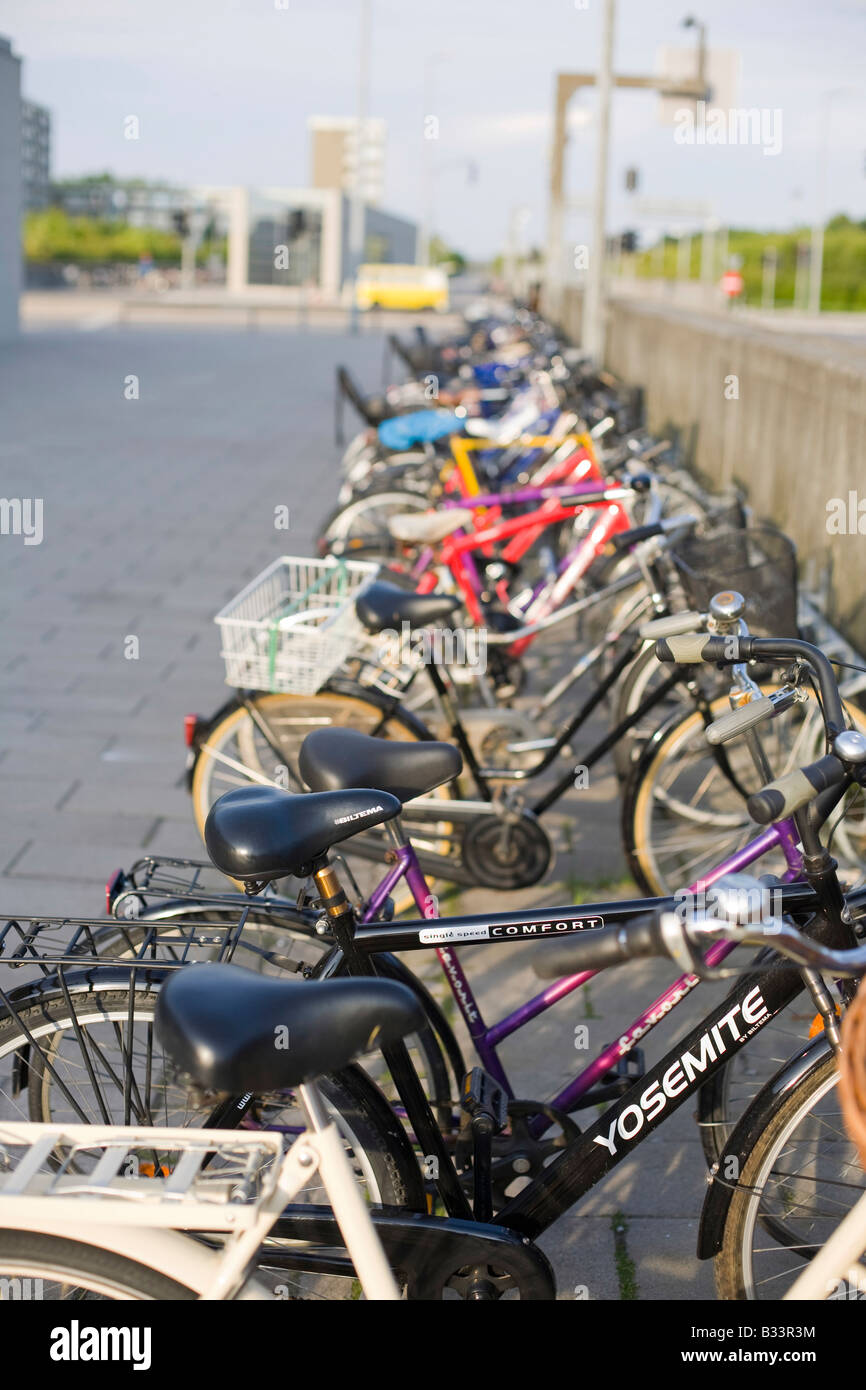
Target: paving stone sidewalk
(155,511)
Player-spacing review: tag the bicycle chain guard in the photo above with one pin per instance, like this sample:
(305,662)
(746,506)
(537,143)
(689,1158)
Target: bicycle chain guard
(506,853)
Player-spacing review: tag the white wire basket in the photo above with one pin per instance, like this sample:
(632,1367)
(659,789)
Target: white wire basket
(294,624)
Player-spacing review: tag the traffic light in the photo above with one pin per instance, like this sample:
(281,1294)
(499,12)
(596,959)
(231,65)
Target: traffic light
(631,180)
(628,243)
(181,224)
(297,224)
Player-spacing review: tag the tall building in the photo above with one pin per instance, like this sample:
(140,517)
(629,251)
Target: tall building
(35,155)
(334,155)
(10,189)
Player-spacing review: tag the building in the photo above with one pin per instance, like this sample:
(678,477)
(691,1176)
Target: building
(35,155)
(334,155)
(300,237)
(10,189)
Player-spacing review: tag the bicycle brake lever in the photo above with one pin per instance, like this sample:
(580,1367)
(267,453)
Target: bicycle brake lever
(687,952)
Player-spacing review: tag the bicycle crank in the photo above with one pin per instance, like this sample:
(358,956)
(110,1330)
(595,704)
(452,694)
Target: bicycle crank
(520,1154)
(506,852)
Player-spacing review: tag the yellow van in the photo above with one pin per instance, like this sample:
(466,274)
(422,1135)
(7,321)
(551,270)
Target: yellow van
(401,287)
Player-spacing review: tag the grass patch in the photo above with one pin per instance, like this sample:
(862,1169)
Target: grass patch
(626,1275)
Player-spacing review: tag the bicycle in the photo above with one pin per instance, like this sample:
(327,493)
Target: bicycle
(146,1199)
(836,1271)
(262,833)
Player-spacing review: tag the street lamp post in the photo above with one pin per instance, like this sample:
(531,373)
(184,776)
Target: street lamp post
(427,171)
(356,210)
(816,254)
(592,336)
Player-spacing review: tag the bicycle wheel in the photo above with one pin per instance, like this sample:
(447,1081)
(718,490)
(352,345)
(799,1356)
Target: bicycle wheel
(723,1099)
(645,674)
(362,525)
(53,1268)
(91,1055)
(800,1177)
(236,752)
(682,815)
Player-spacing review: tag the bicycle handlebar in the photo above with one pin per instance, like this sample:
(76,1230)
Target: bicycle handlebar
(787,794)
(685,940)
(600,947)
(691,648)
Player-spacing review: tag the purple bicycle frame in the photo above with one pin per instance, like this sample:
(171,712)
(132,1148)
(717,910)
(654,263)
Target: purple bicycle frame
(486,1038)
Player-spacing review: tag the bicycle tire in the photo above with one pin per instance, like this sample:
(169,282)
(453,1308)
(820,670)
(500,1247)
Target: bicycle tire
(776,1119)
(86,1267)
(347,708)
(374,1132)
(342,526)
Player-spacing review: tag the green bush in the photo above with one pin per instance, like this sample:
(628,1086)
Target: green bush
(843,280)
(51,235)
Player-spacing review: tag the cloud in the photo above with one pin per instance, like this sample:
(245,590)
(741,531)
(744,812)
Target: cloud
(512,127)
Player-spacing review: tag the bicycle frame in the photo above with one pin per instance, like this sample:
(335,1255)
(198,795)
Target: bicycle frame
(487,1038)
(426,809)
(521,532)
(747,1009)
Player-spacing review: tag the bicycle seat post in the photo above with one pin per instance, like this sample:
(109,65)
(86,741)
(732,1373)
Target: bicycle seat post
(340,914)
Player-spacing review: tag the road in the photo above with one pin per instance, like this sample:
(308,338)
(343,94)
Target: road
(156,509)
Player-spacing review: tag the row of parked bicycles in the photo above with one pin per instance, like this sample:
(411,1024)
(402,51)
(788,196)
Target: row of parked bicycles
(236,1085)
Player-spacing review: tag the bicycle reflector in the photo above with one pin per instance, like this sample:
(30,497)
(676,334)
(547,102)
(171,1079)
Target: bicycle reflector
(190,725)
(112,888)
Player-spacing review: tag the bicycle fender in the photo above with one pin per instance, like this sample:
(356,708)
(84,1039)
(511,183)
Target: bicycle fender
(753,1121)
(202,734)
(426,1250)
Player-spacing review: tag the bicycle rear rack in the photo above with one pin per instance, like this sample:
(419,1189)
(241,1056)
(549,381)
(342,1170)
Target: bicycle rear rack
(71,1023)
(196,1179)
(48,943)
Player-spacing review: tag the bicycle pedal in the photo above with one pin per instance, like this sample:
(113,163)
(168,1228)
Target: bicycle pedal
(484,1101)
(617,1080)
(631,1067)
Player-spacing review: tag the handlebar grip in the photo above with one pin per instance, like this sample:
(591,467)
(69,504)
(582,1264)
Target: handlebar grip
(731,725)
(639,482)
(787,794)
(596,949)
(687,649)
(624,539)
(670,626)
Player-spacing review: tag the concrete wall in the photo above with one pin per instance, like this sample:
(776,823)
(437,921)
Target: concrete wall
(784,416)
(10,190)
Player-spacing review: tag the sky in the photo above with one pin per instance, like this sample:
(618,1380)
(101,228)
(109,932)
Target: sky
(222,90)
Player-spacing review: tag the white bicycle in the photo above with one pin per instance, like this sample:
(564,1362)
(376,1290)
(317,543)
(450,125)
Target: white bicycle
(183,1213)
(838,1271)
